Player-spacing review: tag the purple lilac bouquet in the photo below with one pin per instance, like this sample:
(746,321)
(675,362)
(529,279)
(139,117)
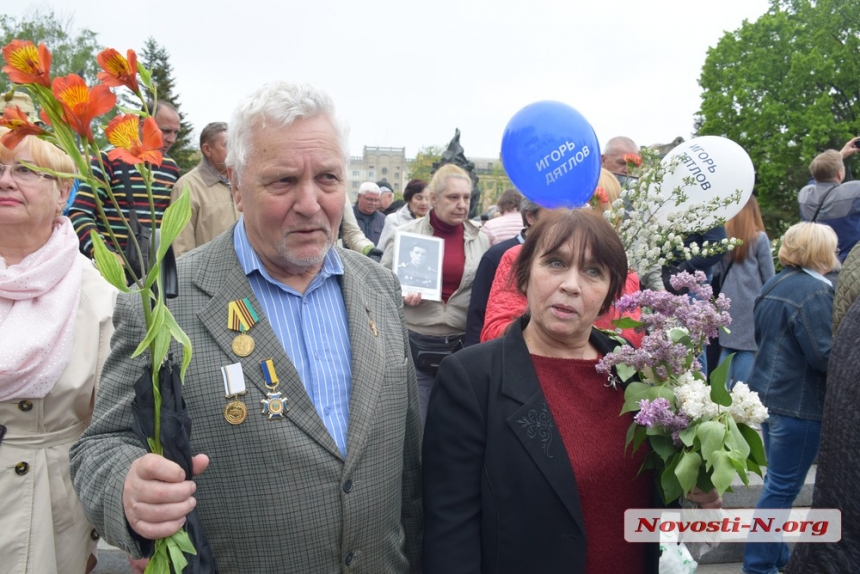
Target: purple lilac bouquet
(700,433)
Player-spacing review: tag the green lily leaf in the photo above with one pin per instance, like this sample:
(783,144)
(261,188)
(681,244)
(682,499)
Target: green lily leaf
(177,558)
(176,217)
(687,470)
(156,320)
(179,335)
(107,263)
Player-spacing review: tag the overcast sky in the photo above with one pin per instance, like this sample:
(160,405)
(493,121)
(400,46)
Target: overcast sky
(406,73)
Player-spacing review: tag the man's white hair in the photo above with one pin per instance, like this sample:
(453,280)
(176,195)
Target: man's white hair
(279,104)
(369,186)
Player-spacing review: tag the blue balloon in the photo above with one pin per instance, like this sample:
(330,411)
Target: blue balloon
(551,154)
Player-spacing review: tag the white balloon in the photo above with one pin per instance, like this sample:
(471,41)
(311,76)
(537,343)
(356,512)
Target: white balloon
(719,166)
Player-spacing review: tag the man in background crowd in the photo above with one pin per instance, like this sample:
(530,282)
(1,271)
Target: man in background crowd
(212,208)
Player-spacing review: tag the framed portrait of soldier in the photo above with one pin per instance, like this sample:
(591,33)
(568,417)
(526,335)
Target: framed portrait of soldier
(418,264)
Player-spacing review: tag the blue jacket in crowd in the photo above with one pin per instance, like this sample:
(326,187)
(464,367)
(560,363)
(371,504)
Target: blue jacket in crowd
(793,331)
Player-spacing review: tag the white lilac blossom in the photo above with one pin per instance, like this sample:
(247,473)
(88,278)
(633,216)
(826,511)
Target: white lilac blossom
(650,242)
(694,400)
(746,406)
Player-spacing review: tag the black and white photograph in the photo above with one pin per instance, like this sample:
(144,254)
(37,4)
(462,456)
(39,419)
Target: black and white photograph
(418,264)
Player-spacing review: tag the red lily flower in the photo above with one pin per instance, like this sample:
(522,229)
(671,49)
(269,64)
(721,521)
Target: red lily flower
(124,134)
(19,126)
(633,158)
(118,71)
(80,104)
(26,64)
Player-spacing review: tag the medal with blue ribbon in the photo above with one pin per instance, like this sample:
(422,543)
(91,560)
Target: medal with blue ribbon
(241,316)
(274,406)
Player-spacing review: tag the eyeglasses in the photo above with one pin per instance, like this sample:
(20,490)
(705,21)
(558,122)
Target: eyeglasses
(23,174)
(626,181)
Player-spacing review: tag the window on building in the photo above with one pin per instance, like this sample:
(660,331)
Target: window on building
(371,175)
(396,175)
(356,173)
(396,187)
(384,170)
(370,167)
(354,184)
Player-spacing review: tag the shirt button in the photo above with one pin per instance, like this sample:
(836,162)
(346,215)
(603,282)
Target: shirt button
(25,406)
(347,486)
(22,468)
(349,558)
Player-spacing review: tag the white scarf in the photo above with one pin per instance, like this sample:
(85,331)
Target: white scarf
(39,300)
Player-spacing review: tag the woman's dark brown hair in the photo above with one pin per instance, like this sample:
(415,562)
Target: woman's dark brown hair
(593,242)
(413,187)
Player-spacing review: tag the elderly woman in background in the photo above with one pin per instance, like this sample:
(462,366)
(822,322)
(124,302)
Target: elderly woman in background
(437,328)
(417,200)
(523,465)
(793,318)
(55,329)
(509,223)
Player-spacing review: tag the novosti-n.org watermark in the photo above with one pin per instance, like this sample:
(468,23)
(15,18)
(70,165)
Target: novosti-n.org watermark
(733,525)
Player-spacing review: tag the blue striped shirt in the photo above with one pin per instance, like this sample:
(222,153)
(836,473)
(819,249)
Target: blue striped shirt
(313,330)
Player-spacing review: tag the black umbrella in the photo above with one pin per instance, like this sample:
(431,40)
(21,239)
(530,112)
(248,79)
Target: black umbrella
(176,445)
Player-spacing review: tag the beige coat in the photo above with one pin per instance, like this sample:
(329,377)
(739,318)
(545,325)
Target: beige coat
(434,317)
(212,208)
(44,529)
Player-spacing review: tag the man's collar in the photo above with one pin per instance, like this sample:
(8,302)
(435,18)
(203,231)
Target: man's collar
(210,175)
(250,261)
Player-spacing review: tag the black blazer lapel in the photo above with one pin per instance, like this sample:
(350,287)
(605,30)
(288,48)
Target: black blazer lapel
(533,424)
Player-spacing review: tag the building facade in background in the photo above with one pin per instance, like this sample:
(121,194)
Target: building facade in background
(376,164)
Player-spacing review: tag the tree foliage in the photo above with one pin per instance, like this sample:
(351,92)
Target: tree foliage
(785,87)
(422,166)
(155,58)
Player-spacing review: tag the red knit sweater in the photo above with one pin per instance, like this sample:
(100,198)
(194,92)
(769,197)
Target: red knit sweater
(586,414)
(454,259)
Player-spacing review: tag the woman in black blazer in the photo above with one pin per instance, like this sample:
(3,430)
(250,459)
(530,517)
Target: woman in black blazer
(524,463)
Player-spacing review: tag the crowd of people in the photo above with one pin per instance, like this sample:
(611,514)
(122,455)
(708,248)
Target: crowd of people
(428,386)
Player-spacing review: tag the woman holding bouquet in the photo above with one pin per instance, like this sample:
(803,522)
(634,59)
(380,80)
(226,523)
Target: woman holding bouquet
(524,464)
(55,328)
(793,317)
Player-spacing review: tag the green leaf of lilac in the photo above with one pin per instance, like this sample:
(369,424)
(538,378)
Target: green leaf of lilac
(635,392)
(719,394)
(687,470)
(663,446)
(724,471)
(712,435)
(159,563)
(625,371)
(737,442)
(627,323)
(680,336)
(754,441)
(688,435)
(670,488)
(107,263)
